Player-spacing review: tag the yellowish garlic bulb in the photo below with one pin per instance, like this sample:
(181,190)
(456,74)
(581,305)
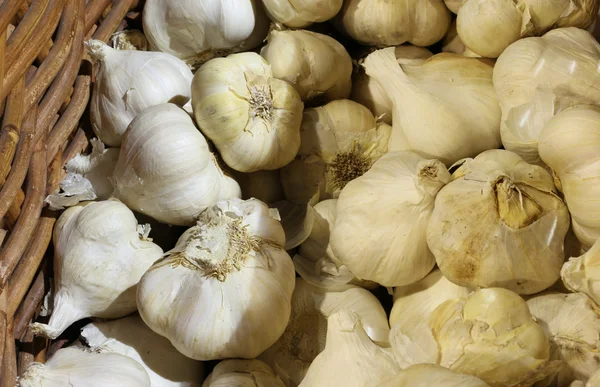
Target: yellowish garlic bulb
(242,373)
(569,144)
(453,5)
(302,13)
(388,23)
(252,118)
(499,222)
(452,43)
(317,65)
(427,375)
(582,274)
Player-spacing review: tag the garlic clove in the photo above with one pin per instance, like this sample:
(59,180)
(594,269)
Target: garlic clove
(243,373)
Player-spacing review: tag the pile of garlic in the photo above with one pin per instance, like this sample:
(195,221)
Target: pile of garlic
(357,193)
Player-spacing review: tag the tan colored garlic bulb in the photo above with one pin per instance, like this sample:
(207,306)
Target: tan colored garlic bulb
(302,13)
(242,373)
(427,375)
(453,5)
(582,274)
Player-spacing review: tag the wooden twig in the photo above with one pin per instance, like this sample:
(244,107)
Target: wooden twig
(93,11)
(12,215)
(113,19)
(26,311)
(11,128)
(9,362)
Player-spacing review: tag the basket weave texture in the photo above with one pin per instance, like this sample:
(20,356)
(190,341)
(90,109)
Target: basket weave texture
(46,80)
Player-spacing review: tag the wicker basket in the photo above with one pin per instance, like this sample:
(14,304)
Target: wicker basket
(44,93)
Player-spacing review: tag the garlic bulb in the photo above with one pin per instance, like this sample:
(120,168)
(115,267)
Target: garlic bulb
(315,64)
(569,144)
(388,23)
(452,43)
(252,117)
(262,185)
(195,31)
(453,5)
(302,13)
(165,169)
(100,254)
(487,27)
(339,142)
(304,337)
(350,358)
(444,108)
(129,40)
(242,373)
(230,276)
(582,274)
(78,368)
(499,222)
(130,337)
(367,91)
(535,78)
(489,334)
(594,380)
(426,375)
(128,82)
(574,331)
(296,219)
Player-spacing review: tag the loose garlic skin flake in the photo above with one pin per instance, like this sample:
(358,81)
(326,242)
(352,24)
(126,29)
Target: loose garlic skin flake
(225,290)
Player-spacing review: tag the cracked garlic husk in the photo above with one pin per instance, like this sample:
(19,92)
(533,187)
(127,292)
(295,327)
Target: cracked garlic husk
(302,13)
(420,22)
(489,334)
(317,65)
(350,357)
(252,117)
(100,254)
(393,201)
(488,27)
(499,222)
(339,142)
(573,327)
(77,368)
(129,40)
(582,274)
(569,144)
(243,373)
(444,108)
(198,31)
(130,337)
(304,338)
(128,82)
(538,77)
(166,170)
(230,275)
(426,375)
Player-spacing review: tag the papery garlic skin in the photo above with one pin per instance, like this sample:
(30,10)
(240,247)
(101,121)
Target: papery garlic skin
(536,78)
(128,82)
(569,144)
(304,337)
(302,13)
(75,367)
(389,23)
(243,373)
(195,31)
(573,327)
(130,337)
(582,274)
(426,375)
(392,203)
(444,107)
(99,257)
(350,358)
(315,64)
(129,40)
(499,222)
(225,290)
(594,380)
(165,169)
(489,334)
(252,117)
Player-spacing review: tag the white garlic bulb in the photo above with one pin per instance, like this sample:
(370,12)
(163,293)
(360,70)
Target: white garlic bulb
(302,13)
(569,144)
(228,275)
(499,222)
(537,77)
(130,337)
(427,375)
(195,30)
(582,274)
(242,373)
(388,23)
(573,327)
(78,368)
(444,107)
(316,64)
(304,337)
(490,334)
(392,203)
(339,142)
(128,82)
(165,169)
(100,254)
(252,117)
